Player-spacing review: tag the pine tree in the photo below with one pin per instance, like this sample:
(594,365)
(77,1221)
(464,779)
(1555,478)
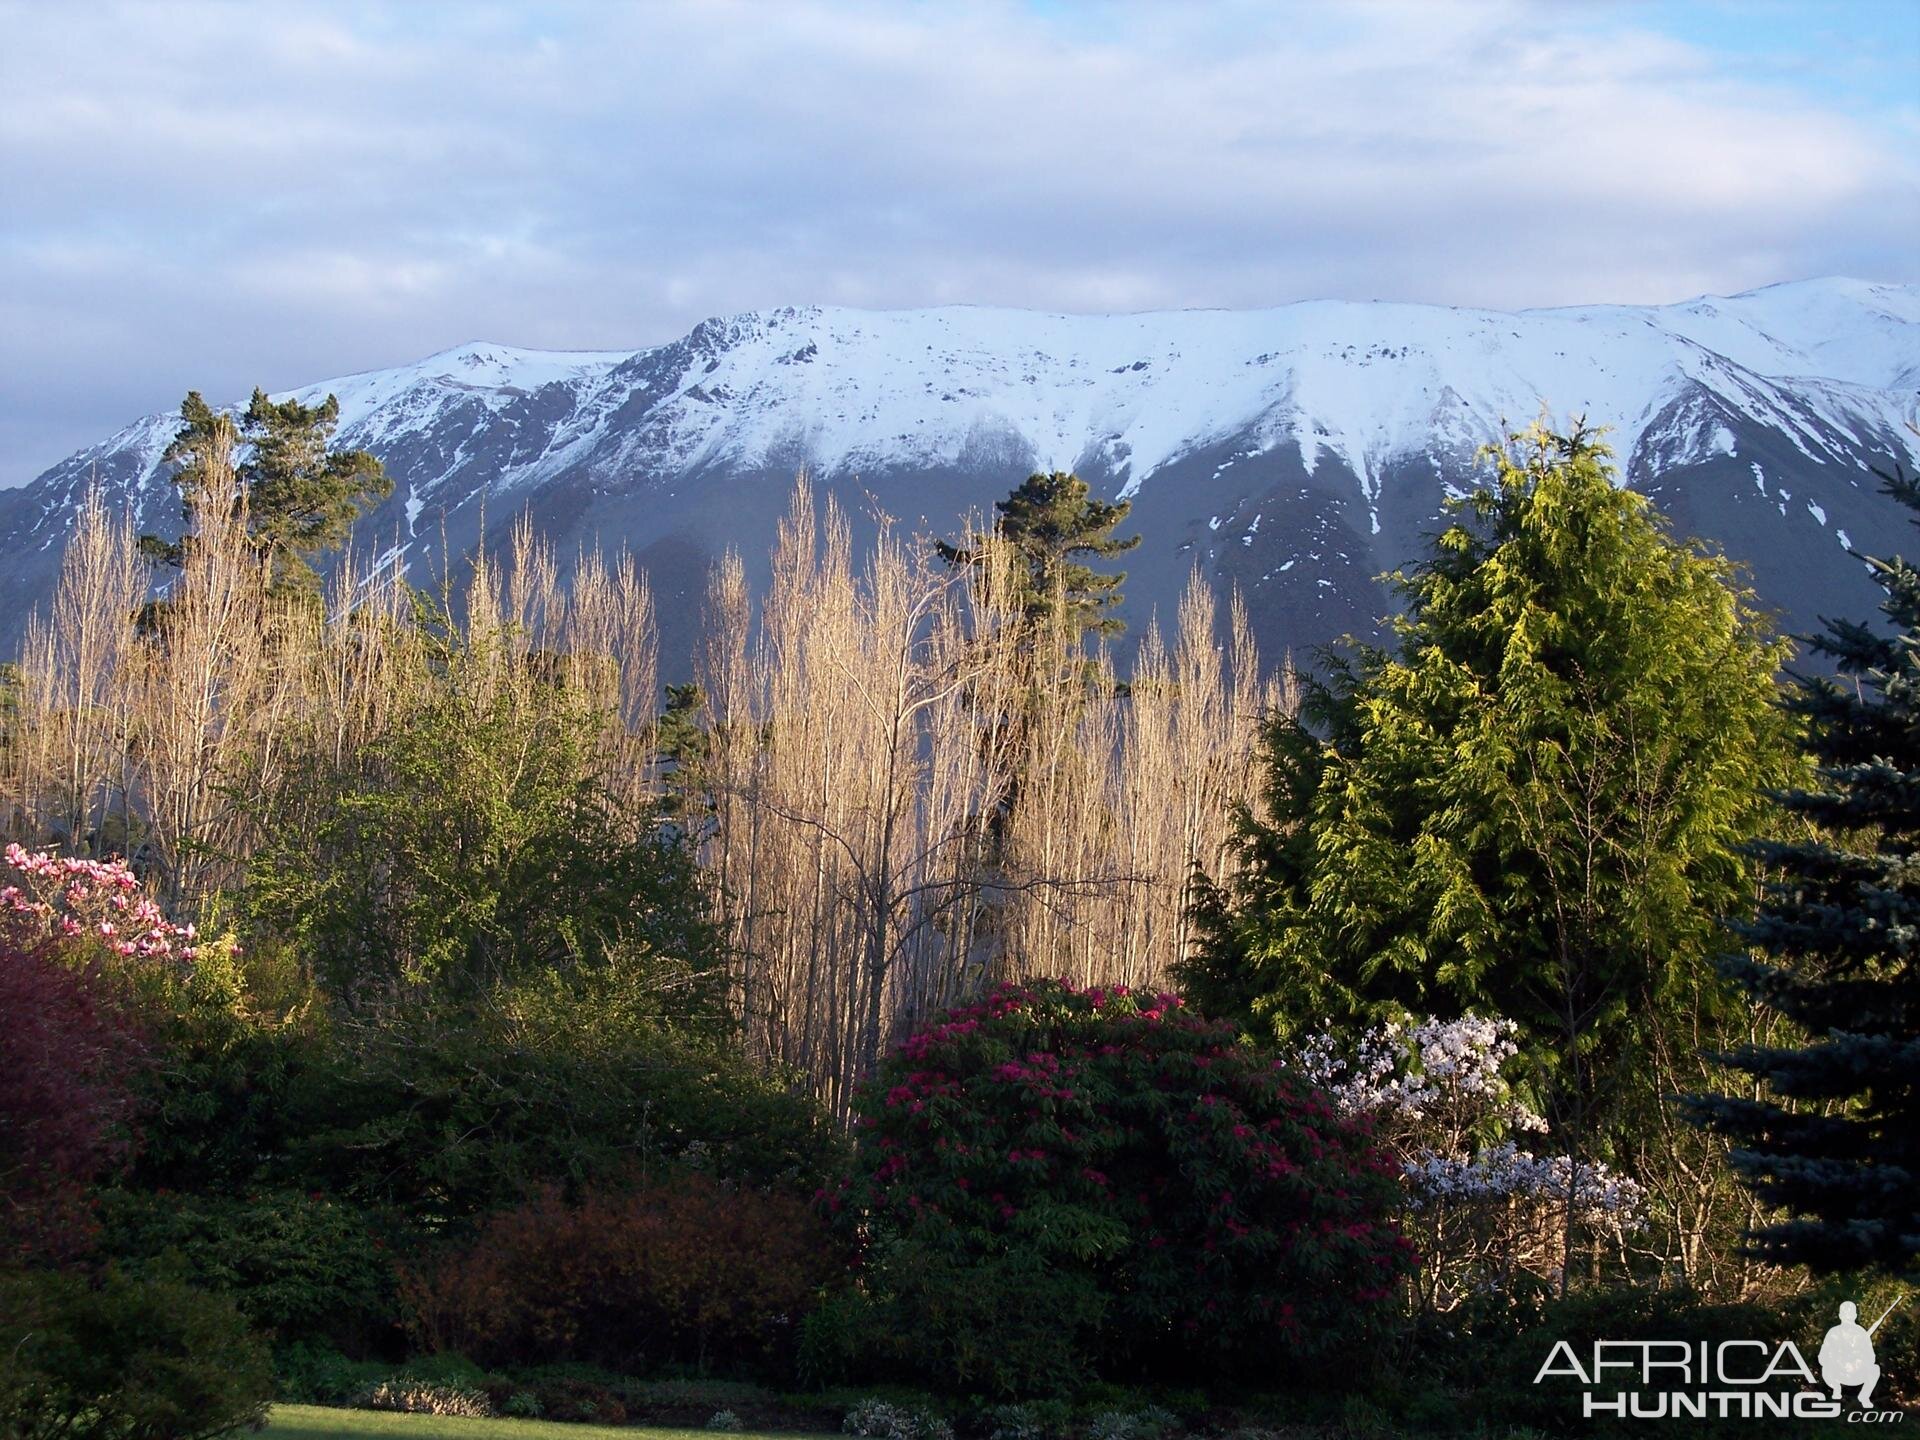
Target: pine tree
(1533,805)
(299,496)
(1051,521)
(1831,1134)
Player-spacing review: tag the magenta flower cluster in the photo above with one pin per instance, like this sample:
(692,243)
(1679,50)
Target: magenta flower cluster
(71,897)
(1206,1186)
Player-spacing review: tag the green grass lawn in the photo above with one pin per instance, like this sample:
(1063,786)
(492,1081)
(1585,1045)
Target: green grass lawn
(318,1422)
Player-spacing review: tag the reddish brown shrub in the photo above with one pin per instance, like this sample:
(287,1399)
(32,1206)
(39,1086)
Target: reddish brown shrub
(67,1051)
(684,1270)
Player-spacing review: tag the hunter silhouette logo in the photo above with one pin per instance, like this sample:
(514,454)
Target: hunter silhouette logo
(1846,1355)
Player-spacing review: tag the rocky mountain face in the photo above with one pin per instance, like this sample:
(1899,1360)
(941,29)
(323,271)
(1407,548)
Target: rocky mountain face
(1296,452)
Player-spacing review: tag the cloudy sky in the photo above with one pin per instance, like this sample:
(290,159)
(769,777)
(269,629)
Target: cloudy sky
(213,196)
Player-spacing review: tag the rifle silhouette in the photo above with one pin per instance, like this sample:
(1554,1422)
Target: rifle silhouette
(1883,1315)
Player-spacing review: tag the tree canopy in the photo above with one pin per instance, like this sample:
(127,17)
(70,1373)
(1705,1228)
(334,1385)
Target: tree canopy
(298,496)
(1051,521)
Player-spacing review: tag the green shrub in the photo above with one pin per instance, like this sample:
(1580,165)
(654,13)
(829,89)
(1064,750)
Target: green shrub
(836,1337)
(1149,1422)
(1007,1323)
(1055,1183)
(562,1398)
(479,836)
(446,1368)
(307,1373)
(300,1265)
(456,1108)
(1014,1422)
(232,1035)
(124,1358)
(876,1419)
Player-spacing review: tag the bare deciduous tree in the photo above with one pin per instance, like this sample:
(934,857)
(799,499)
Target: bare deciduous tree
(904,788)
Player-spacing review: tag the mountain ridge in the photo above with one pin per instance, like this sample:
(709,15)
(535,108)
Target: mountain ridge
(1296,451)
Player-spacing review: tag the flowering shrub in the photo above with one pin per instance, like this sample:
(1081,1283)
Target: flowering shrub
(1138,1186)
(418,1397)
(685,1270)
(66,1101)
(1484,1211)
(69,897)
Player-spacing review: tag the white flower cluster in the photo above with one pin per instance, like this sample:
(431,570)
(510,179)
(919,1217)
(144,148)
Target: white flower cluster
(1436,1087)
(1409,1073)
(1369,1081)
(1505,1171)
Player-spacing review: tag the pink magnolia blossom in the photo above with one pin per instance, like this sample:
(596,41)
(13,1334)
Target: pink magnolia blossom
(71,896)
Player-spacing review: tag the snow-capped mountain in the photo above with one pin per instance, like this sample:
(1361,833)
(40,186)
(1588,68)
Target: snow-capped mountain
(1296,452)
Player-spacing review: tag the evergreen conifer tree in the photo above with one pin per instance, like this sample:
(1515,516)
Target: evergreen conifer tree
(1832,1134)
(1051,521)
(1533,805)
(300,497)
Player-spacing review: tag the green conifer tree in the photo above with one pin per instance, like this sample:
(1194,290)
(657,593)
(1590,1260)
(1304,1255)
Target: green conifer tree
(1051,521)
(1832,1137)
(1533,805)
(301,497)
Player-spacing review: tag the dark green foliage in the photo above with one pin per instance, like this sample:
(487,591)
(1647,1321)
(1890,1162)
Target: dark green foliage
(296,1263)
(1257,960)
(1005,1323)
(1533,806)
(683,747)
(204,454)
(124,1358)
(679,736)
(448,1109)
(300,497)
(1050,522)
(291,1139)
(1833,1136)
(229,1033)
(1054,1180)
(523,983)
(307,1373)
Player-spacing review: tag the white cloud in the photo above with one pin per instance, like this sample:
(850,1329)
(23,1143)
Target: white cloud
(209,196)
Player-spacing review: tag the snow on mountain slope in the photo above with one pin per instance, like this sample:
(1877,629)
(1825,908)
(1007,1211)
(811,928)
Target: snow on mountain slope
(1363,414)
(847,390)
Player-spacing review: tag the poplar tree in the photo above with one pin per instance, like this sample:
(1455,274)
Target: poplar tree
(1830,1135)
